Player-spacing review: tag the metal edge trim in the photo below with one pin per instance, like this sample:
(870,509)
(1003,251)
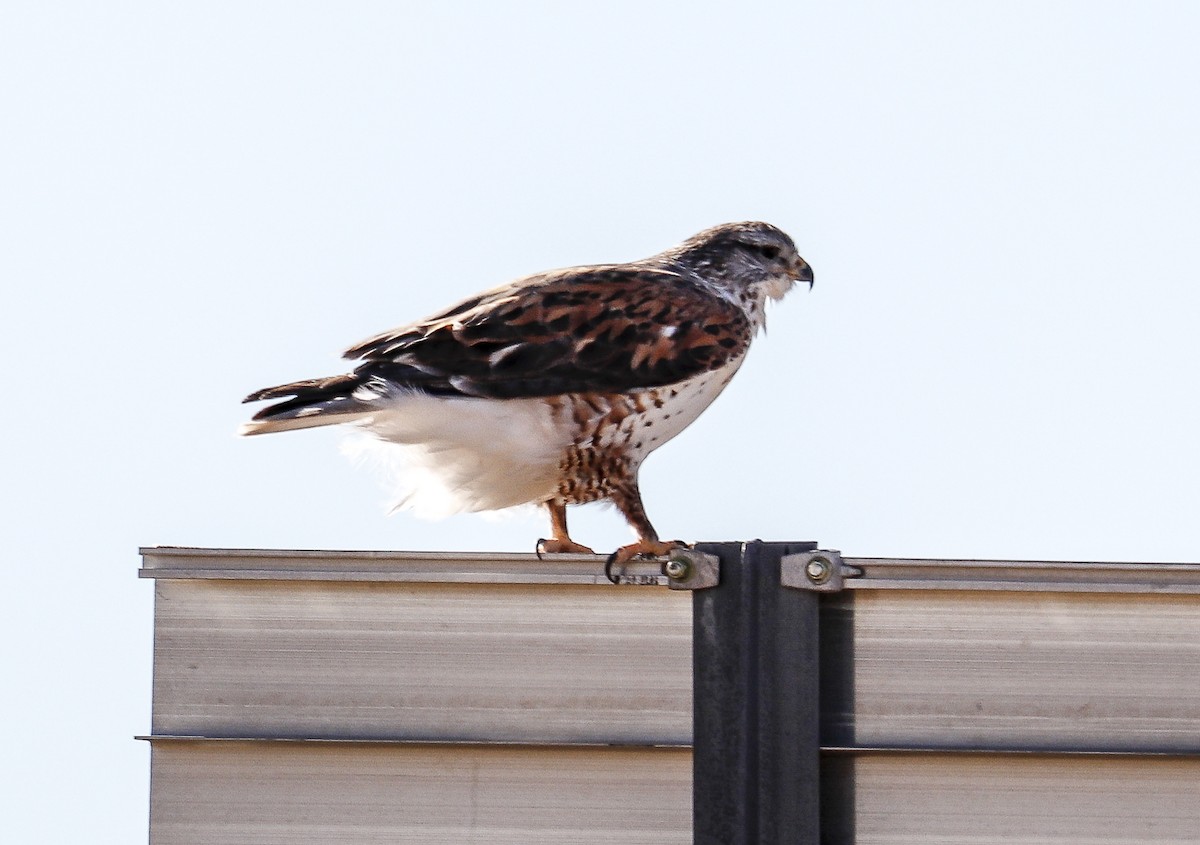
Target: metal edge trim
(890,750)
(180,563)
(518,568)
(825,750)
(464,743)
(1023,576)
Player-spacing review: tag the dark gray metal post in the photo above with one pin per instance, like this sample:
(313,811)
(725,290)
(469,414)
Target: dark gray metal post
(755,702)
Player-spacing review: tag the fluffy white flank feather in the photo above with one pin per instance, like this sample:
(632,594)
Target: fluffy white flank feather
(449,455)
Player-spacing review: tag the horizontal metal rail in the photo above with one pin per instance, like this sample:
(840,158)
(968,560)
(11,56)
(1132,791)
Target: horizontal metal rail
(860,750)
(467,743)
(825,750)
(1048,576)
(509,568)
(428,567)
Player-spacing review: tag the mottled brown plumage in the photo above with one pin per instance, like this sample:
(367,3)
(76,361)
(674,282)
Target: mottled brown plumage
(586,369)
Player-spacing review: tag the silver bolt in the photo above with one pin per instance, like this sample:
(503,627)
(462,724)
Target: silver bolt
(676,569)
(818,570)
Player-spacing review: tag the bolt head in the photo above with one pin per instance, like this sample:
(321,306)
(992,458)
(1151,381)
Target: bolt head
(676,568)
(818,570)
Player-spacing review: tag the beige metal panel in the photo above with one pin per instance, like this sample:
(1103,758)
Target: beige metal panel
(1017,669)
(519,663)
(943,799)
(274,793)
(552,659)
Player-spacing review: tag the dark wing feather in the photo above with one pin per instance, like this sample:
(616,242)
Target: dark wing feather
(585,329)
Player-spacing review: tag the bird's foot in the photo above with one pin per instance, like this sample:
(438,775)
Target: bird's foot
(561,547)
(642,548)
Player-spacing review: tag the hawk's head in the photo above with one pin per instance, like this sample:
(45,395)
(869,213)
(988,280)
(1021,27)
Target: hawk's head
(745,262)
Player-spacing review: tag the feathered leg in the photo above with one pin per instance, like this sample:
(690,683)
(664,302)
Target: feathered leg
(628,500)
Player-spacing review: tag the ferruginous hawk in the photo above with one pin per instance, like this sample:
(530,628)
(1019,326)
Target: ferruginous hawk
(554,388)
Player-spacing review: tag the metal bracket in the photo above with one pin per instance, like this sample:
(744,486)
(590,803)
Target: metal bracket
(821,571)
(687,569)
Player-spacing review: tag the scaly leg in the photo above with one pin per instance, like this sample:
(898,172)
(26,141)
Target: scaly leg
(628,500)
(560,542)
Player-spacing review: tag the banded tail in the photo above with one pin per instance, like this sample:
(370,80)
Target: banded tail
(312,403)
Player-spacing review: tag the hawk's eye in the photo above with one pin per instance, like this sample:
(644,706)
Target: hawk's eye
(769,252)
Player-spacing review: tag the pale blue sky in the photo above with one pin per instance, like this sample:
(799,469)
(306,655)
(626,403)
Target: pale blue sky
(1000,201)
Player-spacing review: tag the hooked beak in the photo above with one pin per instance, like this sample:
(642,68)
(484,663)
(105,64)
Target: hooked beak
(802,272)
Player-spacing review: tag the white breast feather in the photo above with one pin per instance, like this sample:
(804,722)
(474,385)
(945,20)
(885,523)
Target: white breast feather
(678,411)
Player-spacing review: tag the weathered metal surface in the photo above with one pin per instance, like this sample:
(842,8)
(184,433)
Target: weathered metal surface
(1002,670)
(1081,681)
(312,793)
(944,799)
(210,792)
(349,659)
(535,661)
